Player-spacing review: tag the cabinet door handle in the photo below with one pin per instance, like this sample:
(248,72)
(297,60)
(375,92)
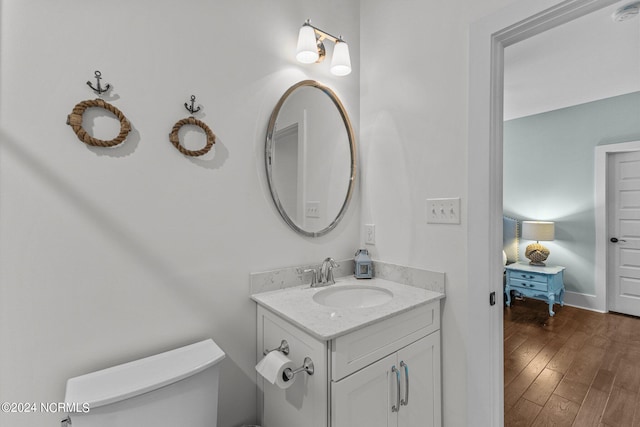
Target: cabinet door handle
(396,407)
(405,401)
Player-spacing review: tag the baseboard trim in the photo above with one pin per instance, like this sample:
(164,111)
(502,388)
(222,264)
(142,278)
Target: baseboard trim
(580,300)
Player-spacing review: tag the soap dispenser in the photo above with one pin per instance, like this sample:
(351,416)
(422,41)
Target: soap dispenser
(363,264)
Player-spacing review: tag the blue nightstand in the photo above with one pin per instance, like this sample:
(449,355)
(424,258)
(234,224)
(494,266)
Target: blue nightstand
(540,282)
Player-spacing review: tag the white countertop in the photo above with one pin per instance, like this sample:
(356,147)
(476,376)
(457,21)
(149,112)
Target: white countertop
(297,306)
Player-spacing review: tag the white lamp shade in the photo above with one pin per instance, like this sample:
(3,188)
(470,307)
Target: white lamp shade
(307,51)
(538,230)
(340,61)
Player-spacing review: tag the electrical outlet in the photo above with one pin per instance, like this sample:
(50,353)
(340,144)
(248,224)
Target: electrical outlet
(443,211)
(312,210)
(370,234)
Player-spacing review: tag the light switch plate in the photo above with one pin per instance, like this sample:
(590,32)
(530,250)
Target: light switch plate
(312,210)
(443,211)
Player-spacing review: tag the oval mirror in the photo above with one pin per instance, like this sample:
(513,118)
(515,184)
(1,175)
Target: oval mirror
(310,157)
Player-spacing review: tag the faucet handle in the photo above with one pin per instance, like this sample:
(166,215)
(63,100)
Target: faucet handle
(331,264)
(314,275)
(330,278)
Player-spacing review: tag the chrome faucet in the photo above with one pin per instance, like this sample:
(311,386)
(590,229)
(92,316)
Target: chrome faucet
(326,272)
(321,275)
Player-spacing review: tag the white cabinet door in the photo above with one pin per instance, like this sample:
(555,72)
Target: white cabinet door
(421,361)
(624,225)
(365,398)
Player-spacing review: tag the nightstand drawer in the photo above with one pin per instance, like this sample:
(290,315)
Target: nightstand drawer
(528,284)
(528,276)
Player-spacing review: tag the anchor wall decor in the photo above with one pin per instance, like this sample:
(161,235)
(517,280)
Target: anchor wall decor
(175,139)
(99,90)
(75,118)
(190,108)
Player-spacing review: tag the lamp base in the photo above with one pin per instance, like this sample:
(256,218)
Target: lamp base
(537,254)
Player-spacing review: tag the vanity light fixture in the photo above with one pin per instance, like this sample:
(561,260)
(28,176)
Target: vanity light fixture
(311,49)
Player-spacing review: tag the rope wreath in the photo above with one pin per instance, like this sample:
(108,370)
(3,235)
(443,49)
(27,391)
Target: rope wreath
(175,140)
(75,121)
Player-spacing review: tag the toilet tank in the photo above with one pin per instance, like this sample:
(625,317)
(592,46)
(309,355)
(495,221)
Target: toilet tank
(175,388)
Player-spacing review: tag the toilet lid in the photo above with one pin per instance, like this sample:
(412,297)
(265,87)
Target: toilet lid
(140,376)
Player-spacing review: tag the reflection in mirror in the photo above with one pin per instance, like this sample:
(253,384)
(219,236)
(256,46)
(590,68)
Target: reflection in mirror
(310,158)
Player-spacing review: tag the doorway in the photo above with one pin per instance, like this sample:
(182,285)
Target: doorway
(603,226)
(488,38)
(623,206)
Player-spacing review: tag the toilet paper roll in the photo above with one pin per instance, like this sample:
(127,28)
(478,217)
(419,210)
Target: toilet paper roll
(272,367)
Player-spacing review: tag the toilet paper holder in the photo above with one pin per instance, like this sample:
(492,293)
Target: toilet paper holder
(307,366)
(288,374)
(283,348)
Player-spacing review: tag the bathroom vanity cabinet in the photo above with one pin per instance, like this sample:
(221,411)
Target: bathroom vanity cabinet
(400,389)
(385,373)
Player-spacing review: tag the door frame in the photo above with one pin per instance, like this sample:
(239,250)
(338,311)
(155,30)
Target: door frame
(602,153)
(488,38)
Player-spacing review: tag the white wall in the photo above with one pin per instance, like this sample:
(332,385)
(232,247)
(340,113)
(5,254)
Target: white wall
(414,84)
(561,144)
(107,255)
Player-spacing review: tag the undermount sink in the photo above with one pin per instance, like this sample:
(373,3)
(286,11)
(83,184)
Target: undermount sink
(353,296)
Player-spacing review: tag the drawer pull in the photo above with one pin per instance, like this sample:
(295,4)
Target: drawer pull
(405,401)
(396,407)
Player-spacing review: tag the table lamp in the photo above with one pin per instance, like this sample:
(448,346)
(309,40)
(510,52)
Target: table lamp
(537,230)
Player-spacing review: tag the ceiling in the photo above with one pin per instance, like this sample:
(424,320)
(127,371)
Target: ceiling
(590,58)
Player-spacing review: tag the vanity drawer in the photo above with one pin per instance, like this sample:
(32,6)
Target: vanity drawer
(538,286)
(528,276)
(360,348)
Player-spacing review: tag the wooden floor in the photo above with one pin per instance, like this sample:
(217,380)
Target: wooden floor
(578,368)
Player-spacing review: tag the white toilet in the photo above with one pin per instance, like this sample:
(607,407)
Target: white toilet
(172,389)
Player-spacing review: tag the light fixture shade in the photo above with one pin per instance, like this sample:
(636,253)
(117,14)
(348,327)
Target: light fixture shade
(538,230)
(307,51)
(340,61)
